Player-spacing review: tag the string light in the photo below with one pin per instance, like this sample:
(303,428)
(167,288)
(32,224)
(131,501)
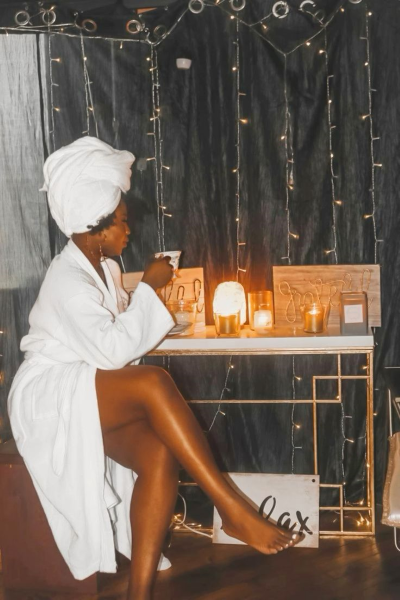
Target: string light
(289,172)
(343,452)
(374,164)
(158,149)
(236,171)
(52,85)
(59,28)
(334,201)
(88,92)
(239,120)
(221,396)
(293,422)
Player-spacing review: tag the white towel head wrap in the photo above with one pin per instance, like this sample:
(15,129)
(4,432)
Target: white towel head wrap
(84,181)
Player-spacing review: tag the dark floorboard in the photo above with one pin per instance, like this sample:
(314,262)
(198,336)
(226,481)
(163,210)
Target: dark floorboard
(341,569)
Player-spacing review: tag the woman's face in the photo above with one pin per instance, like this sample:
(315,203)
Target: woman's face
(115,237)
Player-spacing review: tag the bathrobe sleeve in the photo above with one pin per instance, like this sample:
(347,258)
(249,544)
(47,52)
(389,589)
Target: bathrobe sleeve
(111,342)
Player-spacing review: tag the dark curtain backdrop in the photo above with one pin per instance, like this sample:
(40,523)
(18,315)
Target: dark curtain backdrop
(199,134)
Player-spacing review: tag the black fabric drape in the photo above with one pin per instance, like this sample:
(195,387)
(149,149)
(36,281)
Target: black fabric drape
(198,123)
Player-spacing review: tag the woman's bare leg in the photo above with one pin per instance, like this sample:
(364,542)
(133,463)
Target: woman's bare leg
(147,393)
(153,499)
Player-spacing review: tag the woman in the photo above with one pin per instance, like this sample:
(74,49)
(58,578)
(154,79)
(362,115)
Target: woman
(84,418)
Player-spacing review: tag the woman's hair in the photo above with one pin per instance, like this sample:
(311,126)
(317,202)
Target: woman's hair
(104,223)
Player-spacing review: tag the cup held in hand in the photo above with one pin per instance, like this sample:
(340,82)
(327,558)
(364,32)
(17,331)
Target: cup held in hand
(174,256)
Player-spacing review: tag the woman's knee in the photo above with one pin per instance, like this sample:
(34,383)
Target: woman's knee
(153,380)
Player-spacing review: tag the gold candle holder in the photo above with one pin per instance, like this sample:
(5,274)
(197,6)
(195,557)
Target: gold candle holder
(227,324)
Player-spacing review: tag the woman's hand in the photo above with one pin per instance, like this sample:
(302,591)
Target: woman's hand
(158,273)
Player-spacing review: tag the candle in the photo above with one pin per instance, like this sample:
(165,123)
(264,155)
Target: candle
(227,324)
(314,319)
(262,320)
(262,300)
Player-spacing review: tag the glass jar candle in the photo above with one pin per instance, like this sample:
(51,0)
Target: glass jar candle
(262,321)
(262,300)
(315,317)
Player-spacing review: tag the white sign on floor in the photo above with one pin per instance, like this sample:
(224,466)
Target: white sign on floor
(281,499)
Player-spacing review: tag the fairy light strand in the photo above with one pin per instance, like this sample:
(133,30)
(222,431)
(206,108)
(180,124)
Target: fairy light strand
(239,122)
(52,85)
(289,167)
(236,170)
(373,138)
(156,145)
(160,180)
(295,426)
(90,110)
(86,90)
(58,29)
(221,396)
(252,26)
(331,155)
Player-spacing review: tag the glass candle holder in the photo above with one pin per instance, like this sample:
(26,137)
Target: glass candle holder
(262,300)
(263,321)
(227,324)
(184,314)
(315,317)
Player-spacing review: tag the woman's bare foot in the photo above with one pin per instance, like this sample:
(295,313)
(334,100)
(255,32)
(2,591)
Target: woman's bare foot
(249,527)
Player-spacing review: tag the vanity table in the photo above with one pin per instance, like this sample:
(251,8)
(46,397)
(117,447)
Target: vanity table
(287,340)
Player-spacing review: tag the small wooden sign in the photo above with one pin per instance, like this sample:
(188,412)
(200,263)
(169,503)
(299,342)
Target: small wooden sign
(189,283)
(295,286)
(282,499)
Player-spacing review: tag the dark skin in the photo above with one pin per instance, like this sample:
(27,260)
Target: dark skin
(148,427)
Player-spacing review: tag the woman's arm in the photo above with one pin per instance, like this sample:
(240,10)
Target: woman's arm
(109,342)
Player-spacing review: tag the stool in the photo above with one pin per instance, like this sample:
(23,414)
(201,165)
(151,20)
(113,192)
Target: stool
(30,557)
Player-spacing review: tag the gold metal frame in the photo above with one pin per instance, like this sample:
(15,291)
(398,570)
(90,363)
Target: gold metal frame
(368,504)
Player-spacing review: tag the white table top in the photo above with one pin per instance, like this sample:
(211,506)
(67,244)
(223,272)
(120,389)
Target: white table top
(281,340)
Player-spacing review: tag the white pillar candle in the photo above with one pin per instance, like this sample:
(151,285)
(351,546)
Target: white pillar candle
(262,320)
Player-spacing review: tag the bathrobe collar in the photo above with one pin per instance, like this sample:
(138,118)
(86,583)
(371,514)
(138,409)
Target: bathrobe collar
(109,293)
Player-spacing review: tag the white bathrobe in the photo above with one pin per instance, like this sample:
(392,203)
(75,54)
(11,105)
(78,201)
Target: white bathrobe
(77,325)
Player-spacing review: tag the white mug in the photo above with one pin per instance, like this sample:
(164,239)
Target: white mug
(183,63)
(174,256)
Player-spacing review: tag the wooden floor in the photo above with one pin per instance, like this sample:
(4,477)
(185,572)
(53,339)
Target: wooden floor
(351,569)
